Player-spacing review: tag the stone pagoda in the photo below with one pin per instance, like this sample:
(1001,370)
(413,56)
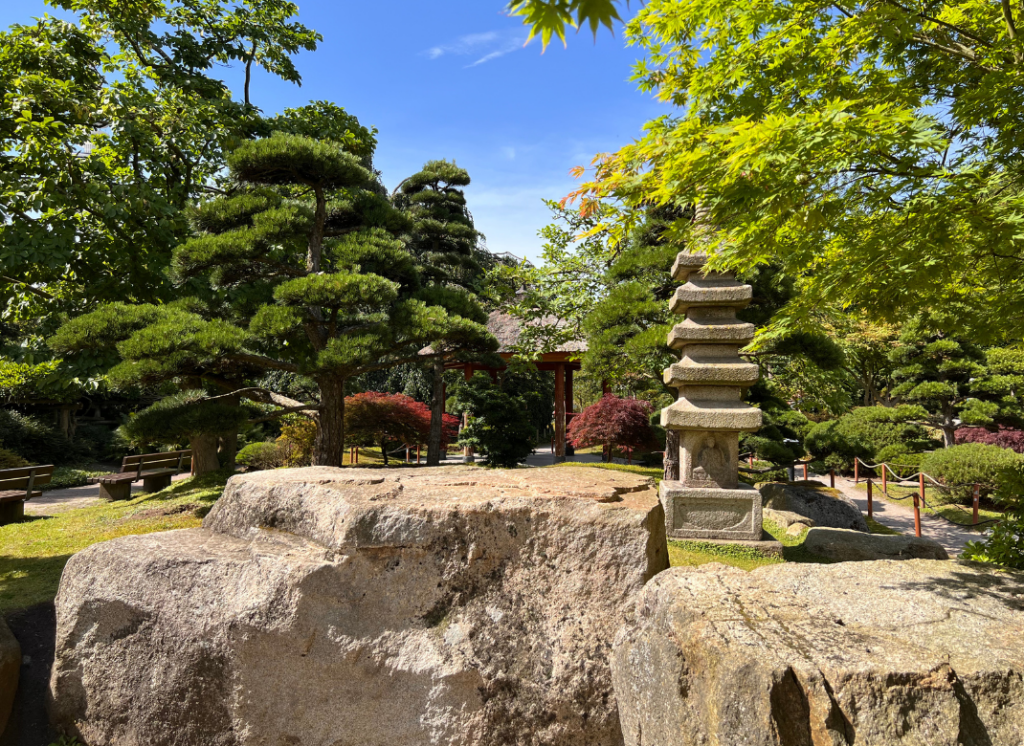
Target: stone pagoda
(708,501)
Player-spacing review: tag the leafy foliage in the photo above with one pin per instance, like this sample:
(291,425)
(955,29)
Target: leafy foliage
(260,456)
(1004,544)
(11,460)
(33,440)
(614,422)
(391,420)
(865,433)
(499,424)
(892,184)
(961,467)
(182,416)
(1004,437)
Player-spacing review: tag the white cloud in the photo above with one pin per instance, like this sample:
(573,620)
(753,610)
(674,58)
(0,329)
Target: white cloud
(488,45)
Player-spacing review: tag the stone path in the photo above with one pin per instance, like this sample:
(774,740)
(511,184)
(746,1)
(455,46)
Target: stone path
(57,501)
(952,538)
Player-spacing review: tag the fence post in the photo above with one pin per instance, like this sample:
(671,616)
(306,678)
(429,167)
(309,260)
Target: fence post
(918,499)
(417,453)
(885,480)
(750,459)
(832,478)
(977,499)
(856,470)
(871,505)
(805,472)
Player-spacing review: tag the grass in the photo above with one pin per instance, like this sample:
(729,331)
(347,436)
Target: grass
(936,503)
(33,553)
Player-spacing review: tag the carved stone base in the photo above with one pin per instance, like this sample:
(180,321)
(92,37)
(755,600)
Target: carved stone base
(710,513)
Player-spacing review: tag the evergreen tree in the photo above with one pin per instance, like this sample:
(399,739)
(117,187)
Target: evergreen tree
(444,242)
(300,272)
(945,383)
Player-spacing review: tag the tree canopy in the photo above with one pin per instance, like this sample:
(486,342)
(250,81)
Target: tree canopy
(891,183)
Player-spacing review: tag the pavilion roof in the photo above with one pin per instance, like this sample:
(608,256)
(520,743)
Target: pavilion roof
(507,329)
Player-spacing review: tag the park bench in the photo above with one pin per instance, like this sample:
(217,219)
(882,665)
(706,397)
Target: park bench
(19,485)
(154,469)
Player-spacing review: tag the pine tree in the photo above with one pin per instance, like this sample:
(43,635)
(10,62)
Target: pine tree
(444,241)
(298,270)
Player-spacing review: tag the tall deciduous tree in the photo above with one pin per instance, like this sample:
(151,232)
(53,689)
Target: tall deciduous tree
(892,183)
(444,242)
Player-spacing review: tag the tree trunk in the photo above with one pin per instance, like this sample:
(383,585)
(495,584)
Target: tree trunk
(204,453)
(66,419)
(436,415)
(329,447)
(384,451)
(228,450)
(671,465)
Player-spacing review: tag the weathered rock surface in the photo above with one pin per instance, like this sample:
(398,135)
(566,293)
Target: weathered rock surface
(823,505)
(844,545)
(358,607)
(10,668)
(785,518)
(916,653)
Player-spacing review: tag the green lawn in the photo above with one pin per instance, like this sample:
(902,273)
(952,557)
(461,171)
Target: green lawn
(33,553)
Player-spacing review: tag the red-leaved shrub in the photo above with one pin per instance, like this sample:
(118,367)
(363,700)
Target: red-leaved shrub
(613,421)
(1005,437)
(375,418)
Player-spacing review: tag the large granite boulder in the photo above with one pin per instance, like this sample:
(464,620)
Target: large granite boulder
(10,669)
(916,653)
(825,506)
(844,545)
(359,607)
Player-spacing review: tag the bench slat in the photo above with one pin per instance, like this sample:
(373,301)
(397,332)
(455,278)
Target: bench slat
(13,495)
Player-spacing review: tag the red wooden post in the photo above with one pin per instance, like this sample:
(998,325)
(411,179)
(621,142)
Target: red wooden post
(832,478)
(885,482)
(750,460)
(918,499)
(977,499)
(805,472)
(871,506)
(417,454)
(856,471)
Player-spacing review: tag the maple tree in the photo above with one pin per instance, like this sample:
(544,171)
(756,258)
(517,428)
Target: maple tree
(390,420)
(614,422)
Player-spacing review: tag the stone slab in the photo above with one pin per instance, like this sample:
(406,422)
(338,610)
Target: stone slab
(691,295)
(710,513)
(725,374)
(845,545)
(692,333)
(686,264)
(913,653)
(686,414)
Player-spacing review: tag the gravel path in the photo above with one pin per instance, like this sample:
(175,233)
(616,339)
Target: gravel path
(901,518)
(57,501)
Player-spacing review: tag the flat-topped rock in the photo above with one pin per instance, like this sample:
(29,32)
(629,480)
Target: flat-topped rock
(363,607)
(846,545)
(916,653)
(825,506)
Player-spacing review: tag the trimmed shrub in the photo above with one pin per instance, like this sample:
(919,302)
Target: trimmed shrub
(298,435)
(32,440)
(11,460)
(259,456)
(865,433)
(961,467)
(1004,437)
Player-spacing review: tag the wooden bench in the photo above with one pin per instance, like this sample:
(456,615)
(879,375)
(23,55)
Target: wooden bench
(19,485)
(154,469)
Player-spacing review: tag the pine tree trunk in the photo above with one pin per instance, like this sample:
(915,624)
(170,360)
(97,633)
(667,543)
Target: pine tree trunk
(384,451)
(204,453)
(329,447)
(228,450)
(436,415)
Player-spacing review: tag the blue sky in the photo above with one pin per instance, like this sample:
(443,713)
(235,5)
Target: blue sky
(451,79)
